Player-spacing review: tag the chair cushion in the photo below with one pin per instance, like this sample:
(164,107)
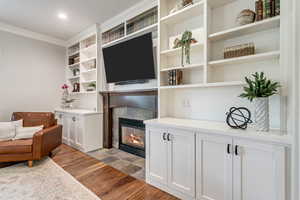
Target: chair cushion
(16,146)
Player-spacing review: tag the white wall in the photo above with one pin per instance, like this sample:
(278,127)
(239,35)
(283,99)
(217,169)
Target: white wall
(31,73)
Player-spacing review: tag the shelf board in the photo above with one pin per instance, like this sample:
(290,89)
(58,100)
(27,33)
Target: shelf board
(198,65)
(87,82)
(185,13)
(147,29)
(172,52)
(204,85)
(74,65)
(131,35)
(263,25)
(245,59)
(73,54)
(74,77)
(89,71)
(90,48)
(113,42)
(80,93)
(87,60)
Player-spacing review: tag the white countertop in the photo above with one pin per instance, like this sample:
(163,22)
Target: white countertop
(212,127)
(77,111)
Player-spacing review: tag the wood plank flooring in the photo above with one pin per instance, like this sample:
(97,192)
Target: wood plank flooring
(106,182)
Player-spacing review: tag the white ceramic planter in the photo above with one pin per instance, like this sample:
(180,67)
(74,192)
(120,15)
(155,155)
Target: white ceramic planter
(261,114)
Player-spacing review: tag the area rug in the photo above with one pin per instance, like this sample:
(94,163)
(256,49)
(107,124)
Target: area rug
(45,181)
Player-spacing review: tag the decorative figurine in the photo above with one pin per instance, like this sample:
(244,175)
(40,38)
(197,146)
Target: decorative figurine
(238,118)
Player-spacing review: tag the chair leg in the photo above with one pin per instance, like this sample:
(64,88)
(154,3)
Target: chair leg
(30,163)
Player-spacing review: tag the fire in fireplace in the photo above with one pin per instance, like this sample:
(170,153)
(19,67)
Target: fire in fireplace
(132,136)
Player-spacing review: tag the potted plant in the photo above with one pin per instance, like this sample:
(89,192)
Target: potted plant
(259,90)
(185,44)
(91,87)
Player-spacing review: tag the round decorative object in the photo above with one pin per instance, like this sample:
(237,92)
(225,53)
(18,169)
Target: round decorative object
(246,17)
(238,118)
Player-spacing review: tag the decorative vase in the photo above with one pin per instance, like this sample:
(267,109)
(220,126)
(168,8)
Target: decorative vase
(261,114)
(65,97)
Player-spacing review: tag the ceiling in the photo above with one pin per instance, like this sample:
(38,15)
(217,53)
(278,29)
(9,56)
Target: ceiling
(41,15)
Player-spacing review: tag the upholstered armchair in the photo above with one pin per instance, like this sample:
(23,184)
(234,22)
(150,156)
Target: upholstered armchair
(42,144)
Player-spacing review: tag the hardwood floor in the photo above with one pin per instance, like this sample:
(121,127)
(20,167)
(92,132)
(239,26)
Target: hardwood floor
(106,182)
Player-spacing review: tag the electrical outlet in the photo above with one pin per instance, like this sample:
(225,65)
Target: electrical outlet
(186,103)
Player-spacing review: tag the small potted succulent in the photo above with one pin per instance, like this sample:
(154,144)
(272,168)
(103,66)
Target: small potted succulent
(91,87)
(258,90)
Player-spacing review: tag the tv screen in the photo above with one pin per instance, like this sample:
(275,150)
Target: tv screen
(131,60)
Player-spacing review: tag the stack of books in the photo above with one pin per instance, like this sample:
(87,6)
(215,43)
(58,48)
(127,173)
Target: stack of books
(266,9)
(175,77)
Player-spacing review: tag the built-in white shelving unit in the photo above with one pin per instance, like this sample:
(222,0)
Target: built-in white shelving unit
(213,32)
(85,72)
(144,22)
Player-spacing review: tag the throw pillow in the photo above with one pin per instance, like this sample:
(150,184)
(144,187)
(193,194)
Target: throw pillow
(7,131)
(27,132)
(18,123)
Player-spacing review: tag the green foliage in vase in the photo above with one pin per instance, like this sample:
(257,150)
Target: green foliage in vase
(92,85)
(185,44)
(260,86)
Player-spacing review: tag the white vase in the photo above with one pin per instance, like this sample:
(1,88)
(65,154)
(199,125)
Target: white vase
(261,114)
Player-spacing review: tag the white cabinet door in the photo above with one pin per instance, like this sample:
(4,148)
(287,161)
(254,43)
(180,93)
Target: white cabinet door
(181,161)
(61,120)
(157,154)
(214,167)
(79,131)
(258,171)
(72,129)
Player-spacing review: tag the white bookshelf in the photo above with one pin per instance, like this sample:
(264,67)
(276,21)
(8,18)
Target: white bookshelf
(86,45)
(152,27)
(208,68)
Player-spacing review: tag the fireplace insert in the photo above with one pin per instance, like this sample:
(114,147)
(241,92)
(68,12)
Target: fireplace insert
(132,136)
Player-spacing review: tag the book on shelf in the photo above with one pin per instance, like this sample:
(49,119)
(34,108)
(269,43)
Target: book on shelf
(175,77)
(266,8)
(277,7)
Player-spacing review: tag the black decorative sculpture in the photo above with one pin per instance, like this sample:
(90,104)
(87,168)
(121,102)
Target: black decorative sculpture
(238,118)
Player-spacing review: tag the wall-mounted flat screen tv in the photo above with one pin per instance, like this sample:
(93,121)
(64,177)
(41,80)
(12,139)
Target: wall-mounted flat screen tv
(131,60)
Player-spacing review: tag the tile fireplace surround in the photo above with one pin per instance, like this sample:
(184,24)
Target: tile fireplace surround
(137,105)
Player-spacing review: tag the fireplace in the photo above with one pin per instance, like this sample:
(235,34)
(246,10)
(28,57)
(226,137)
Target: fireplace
(132,136)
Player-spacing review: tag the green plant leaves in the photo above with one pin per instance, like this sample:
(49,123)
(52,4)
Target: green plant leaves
(260,86)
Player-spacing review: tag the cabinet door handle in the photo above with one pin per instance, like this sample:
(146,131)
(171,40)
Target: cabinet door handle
(228,148)
(164,136)
(168,137)
(73,119)
(236,151)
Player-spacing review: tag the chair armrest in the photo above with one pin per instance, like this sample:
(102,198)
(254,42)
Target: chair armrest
(46,141)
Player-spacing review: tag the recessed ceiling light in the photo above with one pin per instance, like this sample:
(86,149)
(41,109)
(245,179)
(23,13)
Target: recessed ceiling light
(62,16)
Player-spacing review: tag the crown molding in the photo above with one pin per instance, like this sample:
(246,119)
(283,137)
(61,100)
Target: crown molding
(30,34)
